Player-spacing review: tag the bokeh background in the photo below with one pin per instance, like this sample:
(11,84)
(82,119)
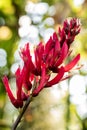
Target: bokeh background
(64,106)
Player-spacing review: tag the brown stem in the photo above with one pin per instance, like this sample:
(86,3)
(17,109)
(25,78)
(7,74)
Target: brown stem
(22,113)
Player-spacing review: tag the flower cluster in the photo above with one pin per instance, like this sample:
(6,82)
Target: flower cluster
(48,59)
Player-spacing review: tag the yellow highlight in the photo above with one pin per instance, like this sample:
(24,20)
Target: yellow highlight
(6,7)
(5,33)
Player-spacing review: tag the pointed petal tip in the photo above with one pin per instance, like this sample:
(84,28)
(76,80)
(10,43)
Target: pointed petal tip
(14,101)
(70,65)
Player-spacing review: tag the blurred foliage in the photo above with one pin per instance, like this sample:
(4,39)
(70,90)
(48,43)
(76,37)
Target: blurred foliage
(45,112)
(10,11)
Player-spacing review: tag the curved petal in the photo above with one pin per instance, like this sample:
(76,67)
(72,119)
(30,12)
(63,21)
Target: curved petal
(27,58)
(14,101)
(8,90)
(19,79)
(57,78)
(64,52)
(38,56)
(72,63)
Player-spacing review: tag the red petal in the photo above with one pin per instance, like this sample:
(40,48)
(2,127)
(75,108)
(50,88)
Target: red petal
(14,101)
(64,52)
(57,78)
(57,46)
(43,81)
(72,63)
(25,54)
(25,74)
(50,59)
(55,37)
(7,87)
(18,103)
(38,57)
(55,53)
(48,45)
(19,79)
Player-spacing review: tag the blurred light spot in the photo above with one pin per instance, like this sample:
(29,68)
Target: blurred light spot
(33,31)
(78,99)
(77,85)
(78,2)
(17,56)
(55,92)
(3,52)
(47,33)
(41,29)
(29,8)
(82,110)
(15,66)
(33,40)
(24,20)
(3,60)
(49,21)
(30,31)
(29,34)
(51,11)
(23,31)
(39,8)
(6,6)
(64,85)
(36,19)
(5,33)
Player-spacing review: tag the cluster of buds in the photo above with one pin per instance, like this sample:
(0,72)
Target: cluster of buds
(48,59)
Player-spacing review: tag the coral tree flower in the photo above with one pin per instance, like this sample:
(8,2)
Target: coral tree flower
(48,59)
(16,101)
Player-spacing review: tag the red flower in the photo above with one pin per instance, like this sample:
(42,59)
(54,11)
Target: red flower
(49,58)
(17,102)
(21,81)
(70,29)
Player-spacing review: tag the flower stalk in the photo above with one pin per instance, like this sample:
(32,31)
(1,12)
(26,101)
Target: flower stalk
(18,120)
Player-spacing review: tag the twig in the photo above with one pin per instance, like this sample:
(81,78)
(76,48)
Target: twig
(22,113)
